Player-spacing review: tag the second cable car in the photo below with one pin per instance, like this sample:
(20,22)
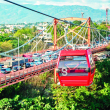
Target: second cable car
(75,67)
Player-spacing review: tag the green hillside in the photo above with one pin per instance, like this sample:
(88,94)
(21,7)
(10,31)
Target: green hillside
(14,14)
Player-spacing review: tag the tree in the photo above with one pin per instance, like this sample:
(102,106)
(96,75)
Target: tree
(77,22)
(34,29)
(95,24)
(5,46)
(102,27)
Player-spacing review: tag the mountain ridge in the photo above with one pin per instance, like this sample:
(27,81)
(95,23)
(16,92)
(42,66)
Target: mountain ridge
(14,14)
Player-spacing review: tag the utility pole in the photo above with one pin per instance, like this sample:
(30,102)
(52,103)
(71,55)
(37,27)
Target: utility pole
(18,53)
(82,13)
(106,16)
(36,45)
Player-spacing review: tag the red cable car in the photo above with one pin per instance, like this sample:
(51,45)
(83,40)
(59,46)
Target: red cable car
(75,67)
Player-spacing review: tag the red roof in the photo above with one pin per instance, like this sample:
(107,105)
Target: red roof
(73,52)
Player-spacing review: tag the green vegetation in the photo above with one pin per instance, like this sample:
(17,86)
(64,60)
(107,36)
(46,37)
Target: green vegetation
(40,93)
(84,33)
(108,47)
(9,41)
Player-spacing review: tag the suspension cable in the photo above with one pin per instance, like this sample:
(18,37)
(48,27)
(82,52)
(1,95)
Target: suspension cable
(39,40)
(26,42)
(84,35)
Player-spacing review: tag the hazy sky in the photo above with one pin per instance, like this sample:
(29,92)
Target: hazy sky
(96,4)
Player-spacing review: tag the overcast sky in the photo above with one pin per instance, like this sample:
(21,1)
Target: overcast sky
(96,4)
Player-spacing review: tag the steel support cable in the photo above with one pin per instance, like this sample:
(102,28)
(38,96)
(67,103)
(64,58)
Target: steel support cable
(70,41)
(36,44)
(93,39)
(94,29)
(23,44)
(3,54)
(45,45)
(39,41)
(66,29)
(77,33)
(72,31)
(71,34)
(99,34)
(77,40)
(84,36)
(49,27)
(79,37)
(66,44)
(95,33)
(102,36)
(48,15)
(52,28)
(100,30)
(61,29)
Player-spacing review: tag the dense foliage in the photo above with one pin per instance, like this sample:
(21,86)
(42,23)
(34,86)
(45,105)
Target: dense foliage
(108,47)
(39,93)
(9,41)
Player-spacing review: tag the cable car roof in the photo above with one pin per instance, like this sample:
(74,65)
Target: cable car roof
(73,52)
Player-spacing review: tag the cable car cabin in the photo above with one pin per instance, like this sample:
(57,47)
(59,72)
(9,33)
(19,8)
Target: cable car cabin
(75,67)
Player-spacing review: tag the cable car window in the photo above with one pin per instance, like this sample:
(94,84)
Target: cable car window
(79,58)
(91,63)
(91,60)
(66,58)
(73,62)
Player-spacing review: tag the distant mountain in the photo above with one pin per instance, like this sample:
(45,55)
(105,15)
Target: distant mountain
(14,14)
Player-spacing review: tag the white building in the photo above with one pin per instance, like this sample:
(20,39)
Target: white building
(47,36)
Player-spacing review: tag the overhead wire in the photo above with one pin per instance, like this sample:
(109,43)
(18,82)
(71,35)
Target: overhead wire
(43,30)
(40,39)
(49,15)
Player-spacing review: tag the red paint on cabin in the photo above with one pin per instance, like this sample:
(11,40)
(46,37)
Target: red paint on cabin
(75,67)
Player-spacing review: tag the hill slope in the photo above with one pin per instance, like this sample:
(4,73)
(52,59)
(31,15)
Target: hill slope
(14,14)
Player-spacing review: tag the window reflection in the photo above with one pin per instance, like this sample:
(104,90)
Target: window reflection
(73,62)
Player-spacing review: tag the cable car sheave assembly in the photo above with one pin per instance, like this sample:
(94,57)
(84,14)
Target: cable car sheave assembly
(75,67)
